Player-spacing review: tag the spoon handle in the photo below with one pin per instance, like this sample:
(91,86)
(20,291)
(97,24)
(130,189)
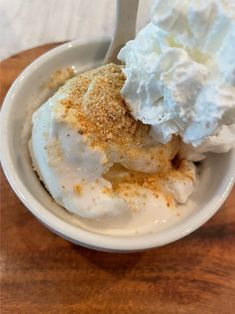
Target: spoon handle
(125,28)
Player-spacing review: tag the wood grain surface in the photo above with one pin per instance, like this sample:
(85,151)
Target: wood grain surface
(42,273)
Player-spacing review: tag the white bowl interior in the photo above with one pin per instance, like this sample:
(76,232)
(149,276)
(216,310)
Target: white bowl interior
(28,93)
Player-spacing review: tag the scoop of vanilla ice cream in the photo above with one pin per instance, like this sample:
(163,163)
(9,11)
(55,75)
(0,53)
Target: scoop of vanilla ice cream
(180,73)
(85,132)
(69,168)
(181,182)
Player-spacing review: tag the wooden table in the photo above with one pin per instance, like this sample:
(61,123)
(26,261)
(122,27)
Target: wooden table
(42,273)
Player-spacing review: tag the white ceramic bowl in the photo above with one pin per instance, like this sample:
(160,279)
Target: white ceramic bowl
(25,95)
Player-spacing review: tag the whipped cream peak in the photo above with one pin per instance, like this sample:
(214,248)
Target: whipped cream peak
(180,70)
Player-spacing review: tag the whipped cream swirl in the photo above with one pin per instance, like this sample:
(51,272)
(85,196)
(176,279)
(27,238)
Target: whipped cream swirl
(180,72)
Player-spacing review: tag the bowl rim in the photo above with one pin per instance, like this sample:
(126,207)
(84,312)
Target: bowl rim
(74,233)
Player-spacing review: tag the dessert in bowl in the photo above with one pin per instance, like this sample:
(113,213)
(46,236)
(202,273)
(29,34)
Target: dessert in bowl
(97,161)
(118,182)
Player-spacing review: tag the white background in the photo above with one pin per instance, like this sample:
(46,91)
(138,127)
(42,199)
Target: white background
(28,23)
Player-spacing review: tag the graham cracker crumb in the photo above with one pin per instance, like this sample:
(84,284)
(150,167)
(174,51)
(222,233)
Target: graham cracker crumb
(78,189)
(59,77)
(107,190)
(96,107)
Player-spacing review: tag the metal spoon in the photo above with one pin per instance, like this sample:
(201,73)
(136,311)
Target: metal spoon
(125,28)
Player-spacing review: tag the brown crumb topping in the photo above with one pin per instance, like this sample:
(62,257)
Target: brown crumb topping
(127,182)
(96,107)
(78,189)
(59,77)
